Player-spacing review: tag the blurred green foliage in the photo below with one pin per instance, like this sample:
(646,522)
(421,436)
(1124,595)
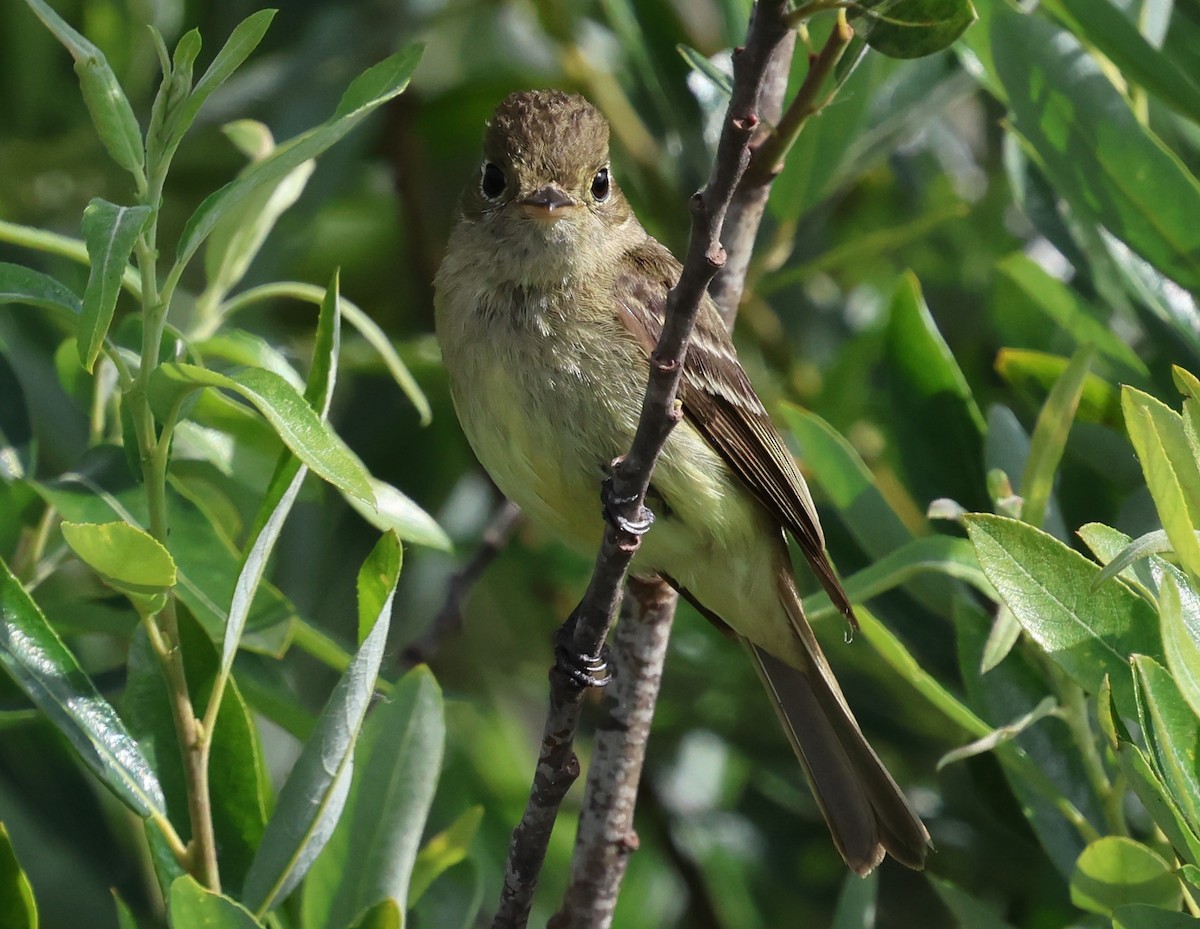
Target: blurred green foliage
(965,258)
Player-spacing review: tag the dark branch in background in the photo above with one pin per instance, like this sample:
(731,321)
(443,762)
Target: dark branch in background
(449,618)
(606,835)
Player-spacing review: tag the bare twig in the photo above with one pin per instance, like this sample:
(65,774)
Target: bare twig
(449,618)
(606,837)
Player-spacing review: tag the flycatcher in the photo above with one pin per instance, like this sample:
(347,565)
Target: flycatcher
(549,301)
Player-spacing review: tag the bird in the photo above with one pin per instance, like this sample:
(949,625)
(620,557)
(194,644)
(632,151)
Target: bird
(548,302)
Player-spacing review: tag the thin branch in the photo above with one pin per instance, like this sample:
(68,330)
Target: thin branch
(606,837)
(448,621)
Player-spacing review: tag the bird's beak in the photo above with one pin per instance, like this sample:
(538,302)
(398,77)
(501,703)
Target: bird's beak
(547,204)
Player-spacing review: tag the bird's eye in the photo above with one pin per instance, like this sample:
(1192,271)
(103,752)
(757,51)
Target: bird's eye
(492,183)
(600,184)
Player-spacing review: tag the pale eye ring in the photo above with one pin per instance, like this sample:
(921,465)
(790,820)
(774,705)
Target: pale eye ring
(601,186)
(492,181)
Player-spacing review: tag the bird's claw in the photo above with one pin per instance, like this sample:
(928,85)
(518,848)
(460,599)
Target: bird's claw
(584,670)
(611,502)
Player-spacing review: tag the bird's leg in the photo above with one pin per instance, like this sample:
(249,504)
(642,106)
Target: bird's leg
(611,502)
(584,669)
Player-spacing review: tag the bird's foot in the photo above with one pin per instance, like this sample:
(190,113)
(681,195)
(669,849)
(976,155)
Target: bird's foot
(584,670)
(611,502)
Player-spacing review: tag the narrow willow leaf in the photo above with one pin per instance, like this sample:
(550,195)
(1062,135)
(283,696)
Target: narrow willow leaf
(1034,374)
(197,907)
(383,915)
(237,48)
(41,665)
(969,911)
(239,347)
(369,91)
(940,554)
(999,736)
(251,574)
(19,284)
(312,799)
(1061,304)
(1172,473)
(1050,437)
(173,90)
(455,899)
(1101,24)
(236,239)
(912,28)
(17,907)
(106,101)
(1006,632)
(110,232)
(938,426)
(1081,132)
(396,512)
(310,440)
(701,65)
(444,851)
(1147,916)
(1173,733)
(397,777)
(1179,607)
(1116,870)
(1156,798)
(1049,589)
(1152,543)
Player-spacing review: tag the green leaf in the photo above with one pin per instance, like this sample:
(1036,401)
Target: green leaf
(396,512)
(444,851)
(369,91)
(1179,608)
(1000,735)
(17,907)
(1061,304)
(19,284)
(1101,24)
(237,237)
(1116,870)
(312,799)
(913,28)
(939,554)
(106,101)
(969,911)
(1157,799)
(847,481)
(939,429)
(125,557)
(41,665)
(383,915)
(206,564)
(1048,587)
(857,902)
(310,440)
(454,900)
(1050,437)
(194,907)
(110,232)
(390,801)
(1034,374)
(237,48)
(377,581)
(1145,916)
(1081,132)
(1152,543)
(1173,734)
(239,347)
(1172,473)
(702,65)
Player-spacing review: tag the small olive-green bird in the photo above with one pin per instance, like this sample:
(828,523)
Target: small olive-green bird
(549,301)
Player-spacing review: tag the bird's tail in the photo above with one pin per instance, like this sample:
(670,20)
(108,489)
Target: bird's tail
(866,811)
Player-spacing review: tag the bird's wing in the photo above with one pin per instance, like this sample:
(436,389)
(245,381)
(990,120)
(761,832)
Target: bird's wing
(719,400)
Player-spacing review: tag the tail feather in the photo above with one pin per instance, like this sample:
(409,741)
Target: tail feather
(865,809)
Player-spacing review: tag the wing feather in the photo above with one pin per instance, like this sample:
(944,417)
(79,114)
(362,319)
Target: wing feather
(719,400)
